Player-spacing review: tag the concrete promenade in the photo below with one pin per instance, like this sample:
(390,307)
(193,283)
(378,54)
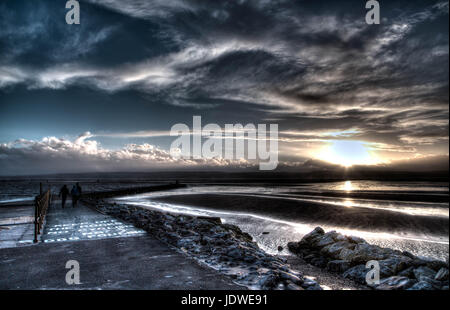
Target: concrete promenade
(111,254)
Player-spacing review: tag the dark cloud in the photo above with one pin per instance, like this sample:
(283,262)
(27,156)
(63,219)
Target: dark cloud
(311,66)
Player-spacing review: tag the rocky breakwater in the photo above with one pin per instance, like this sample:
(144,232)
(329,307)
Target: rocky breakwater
(221,246)
(348,256)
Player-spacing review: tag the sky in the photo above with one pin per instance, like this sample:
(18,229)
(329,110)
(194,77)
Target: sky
(104,94)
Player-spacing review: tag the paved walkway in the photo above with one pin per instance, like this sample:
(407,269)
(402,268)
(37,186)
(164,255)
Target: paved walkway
(16,224)
(114,263)
(111,255)
(83,223)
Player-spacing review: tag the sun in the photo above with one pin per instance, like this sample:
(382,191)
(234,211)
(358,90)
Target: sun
(347,153)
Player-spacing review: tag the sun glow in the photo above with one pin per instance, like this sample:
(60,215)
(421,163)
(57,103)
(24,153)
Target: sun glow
(348,153)
(348,187)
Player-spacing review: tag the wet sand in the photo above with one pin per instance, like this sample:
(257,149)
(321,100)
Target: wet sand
(422,196)
(375,220)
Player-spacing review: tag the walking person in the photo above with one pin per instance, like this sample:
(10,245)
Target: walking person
(63,194)
(74,193)
(79,190)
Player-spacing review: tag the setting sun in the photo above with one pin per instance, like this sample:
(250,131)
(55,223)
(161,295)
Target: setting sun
(347,153)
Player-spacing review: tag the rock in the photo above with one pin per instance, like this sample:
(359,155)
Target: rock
(356,273)
(310,257)
(238,232)
(286,276)
(420,286)
(395,283)
(346,254)
(408,272)
(312,237)
(392,266)
(424,272)
(294,247)
(356,240)
(365,252)
(340,237)
(310,285)
(436,265)
(417,262)
(435,283)
(327,239)
(235,253)
(442,274)
(280,248)
(320,262)
(339,266)
(294,287)
(215,220)
(249,259)
(270,281)
(334,249)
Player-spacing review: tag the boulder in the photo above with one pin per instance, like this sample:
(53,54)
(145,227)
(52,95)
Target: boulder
(310,285)
(393,265)
(325,240)
(286,276)
(424,272)
(436,265)
(235,253)
(365,252)
(339,266)
(269,282)
(213,219)
(340,237)
(408,272)
(395,283)
(356,273)
(346,254)
(333,250)
(320,262)
(356,240)
(294,247)
(435,283)
(294,287)
(442,274)
(421,286)
(310,257)
(313,237)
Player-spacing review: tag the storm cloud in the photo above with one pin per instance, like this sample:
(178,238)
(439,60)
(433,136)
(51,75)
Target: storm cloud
(314,67)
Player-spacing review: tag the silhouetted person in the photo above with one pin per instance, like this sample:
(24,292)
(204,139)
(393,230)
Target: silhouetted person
(75,195)
(79,190)
(63,194)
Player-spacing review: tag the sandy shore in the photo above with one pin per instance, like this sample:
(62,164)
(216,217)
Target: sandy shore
(319,213)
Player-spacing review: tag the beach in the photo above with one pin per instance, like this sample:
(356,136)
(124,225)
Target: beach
(244,232)
(275,215)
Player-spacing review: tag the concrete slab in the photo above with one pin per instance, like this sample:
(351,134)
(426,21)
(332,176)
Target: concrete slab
(16,224)
(115,263)
(83,223)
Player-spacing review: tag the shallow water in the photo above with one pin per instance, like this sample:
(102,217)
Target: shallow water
(271,231)
(18,191)
(425,240)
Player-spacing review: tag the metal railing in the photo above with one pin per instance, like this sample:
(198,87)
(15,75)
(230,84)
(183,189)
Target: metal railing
(41,204)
